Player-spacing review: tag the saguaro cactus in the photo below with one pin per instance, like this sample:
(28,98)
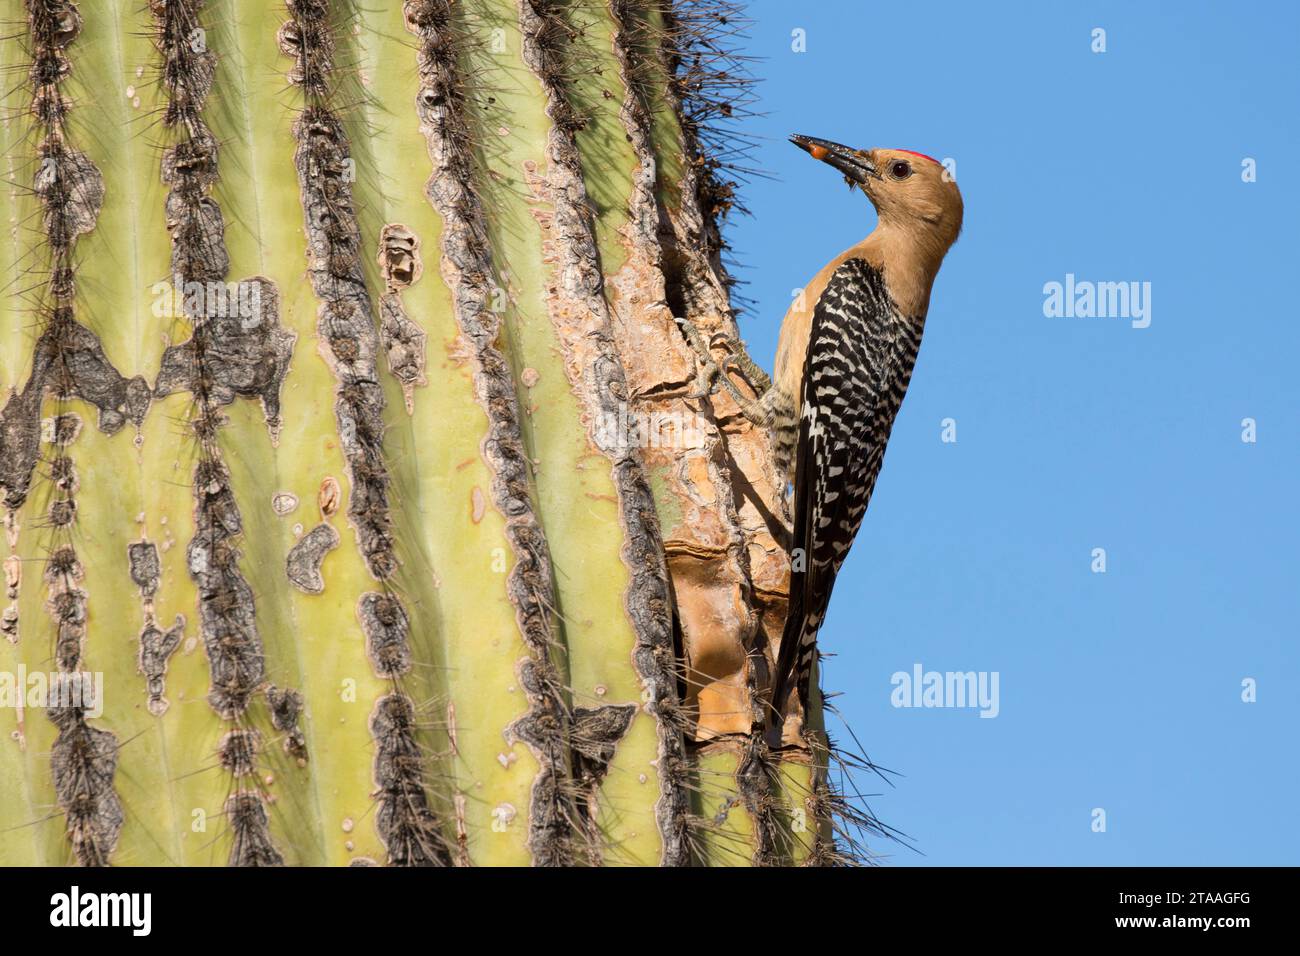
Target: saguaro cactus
(360,502)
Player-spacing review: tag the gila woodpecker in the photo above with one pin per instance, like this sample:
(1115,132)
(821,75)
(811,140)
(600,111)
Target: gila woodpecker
(843,362)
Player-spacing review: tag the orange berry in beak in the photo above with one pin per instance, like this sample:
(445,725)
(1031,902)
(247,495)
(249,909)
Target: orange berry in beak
(819,152)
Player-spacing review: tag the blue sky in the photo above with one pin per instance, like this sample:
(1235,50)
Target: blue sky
(1121,690)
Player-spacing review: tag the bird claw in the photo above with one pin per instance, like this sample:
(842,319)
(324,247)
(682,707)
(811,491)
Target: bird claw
(713,373)
(706,381)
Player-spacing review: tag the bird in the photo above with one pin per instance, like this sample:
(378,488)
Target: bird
(844,359)
(845,364)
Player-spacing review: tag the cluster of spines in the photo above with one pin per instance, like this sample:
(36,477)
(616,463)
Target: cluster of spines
(227,616)
(83,760)
(285,705)
(846,823)
(444,110)
(636,110)
(713,84)
(250,831)
(407,825)
(547,38)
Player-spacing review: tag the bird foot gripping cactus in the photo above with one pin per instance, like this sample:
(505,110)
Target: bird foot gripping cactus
(713,373)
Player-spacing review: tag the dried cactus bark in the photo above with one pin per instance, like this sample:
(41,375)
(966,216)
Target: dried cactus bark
(355,446)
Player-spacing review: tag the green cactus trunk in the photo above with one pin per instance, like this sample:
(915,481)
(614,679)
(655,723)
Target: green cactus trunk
(357,506)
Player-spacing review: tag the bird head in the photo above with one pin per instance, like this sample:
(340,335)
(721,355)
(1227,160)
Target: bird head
(910,190)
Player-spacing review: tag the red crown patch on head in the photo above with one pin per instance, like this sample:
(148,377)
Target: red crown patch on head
(922,155)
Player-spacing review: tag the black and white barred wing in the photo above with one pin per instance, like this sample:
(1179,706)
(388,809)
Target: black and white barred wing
(859,362)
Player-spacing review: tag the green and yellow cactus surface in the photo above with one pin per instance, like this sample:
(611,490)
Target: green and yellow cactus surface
(358,506)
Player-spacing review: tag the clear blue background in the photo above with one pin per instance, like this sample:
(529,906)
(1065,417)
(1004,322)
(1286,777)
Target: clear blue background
(1119,690)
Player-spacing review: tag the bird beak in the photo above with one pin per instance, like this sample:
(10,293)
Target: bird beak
(855,167)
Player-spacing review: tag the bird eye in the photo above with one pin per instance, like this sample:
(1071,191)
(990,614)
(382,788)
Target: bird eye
(900,169)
